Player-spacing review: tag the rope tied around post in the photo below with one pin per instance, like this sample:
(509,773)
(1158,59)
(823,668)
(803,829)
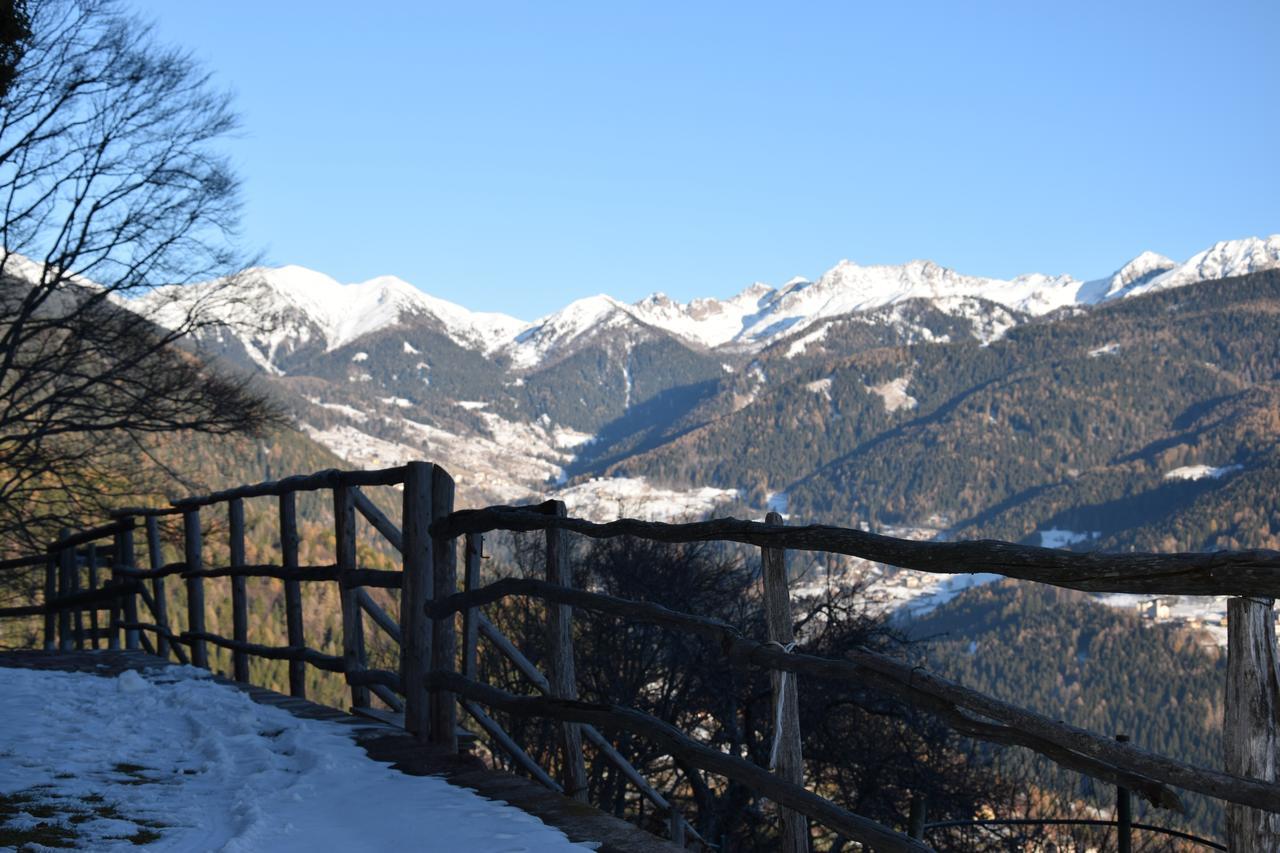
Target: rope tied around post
(780,704)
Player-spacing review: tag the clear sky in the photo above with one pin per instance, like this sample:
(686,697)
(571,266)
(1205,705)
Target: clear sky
(515,156)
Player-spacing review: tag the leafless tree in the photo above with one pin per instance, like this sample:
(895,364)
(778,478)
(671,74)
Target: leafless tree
(865,750)
(111,184)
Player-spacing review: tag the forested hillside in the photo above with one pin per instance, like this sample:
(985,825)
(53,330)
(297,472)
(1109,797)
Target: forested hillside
(1079,420)
(1059,653)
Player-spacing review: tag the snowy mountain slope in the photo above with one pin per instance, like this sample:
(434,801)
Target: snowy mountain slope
(283,309)
(761,315)
(277,311)
(1222,260)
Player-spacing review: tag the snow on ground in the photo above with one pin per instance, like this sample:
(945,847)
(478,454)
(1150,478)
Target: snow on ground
(935,590)
(777,502)
(1109,349)
(1201,472)
(894,393)
(350,411)
(361,449)
(633,497)
(820,386)
(799,345)
(1058,538)
(1202,611)
(203,767)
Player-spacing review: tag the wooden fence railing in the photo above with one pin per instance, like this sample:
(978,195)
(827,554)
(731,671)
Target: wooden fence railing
(437,670)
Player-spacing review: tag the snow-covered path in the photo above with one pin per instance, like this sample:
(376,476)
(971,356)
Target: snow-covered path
(179,762)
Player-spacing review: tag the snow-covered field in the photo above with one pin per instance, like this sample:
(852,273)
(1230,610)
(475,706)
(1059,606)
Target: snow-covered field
(605,499)
(175,761)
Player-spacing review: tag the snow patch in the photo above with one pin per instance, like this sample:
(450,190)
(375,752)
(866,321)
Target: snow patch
(820,386)
(605,499)
(409,349)
(894,394)
(1058,538)
(1201,472)
(352,413)
(802,343)
(360,356)
(1109,349)
(217,771)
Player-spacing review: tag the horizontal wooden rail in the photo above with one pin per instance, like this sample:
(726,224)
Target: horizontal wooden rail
(329,663)
(328,479)
(159,572)
(856,827)
(1246,573)
(145,511)
(23,562)
(161,631)
(372,577)
(268,570)
(93,534)
(1121,764)
(26,610)
(371,677)
(101,599)
(357,578)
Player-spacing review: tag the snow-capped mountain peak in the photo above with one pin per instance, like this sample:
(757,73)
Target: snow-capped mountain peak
(557,331)
(1221,260)
(292,305)
(270,306)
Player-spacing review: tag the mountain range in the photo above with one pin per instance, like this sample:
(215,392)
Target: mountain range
(907,396)
(296,307)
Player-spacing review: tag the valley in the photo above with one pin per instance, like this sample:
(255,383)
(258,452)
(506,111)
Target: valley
(1130,412)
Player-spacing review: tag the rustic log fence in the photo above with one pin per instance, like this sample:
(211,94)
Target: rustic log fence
(437,670)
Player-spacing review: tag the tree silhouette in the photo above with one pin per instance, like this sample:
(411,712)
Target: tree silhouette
(110,185)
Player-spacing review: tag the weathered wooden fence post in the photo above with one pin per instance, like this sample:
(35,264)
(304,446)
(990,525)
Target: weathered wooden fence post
(124,559)
(155,559)
(788,760)
(292,591)
(66,568)
(50,593)
(78,613)
(193,546)
(473,552)
(239,584)
(1124,813)
(917,814)
(91,562)
(444,637)
(114,613)
(1251,722)
(561,673)
(344,526)
(415,633)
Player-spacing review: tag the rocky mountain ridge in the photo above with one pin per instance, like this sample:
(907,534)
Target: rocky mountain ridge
(866,371)
(296,307)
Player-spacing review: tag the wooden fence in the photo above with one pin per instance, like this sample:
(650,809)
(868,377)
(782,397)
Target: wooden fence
(437,671)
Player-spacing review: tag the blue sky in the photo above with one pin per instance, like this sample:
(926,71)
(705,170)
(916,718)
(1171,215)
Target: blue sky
(515,156)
